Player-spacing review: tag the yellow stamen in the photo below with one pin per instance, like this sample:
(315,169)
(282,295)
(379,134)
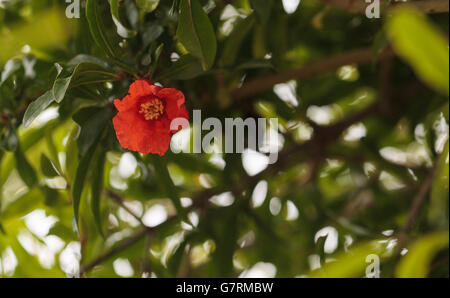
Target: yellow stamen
(152,109)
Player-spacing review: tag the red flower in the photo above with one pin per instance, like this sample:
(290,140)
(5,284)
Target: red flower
(143,121)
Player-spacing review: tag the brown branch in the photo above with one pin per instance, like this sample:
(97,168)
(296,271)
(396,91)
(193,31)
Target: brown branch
(419,201)
(109,254)
(128,242)
(120,201)
(264,83)
(360,6)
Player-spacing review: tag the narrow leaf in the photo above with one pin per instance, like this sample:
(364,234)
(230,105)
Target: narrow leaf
(234,42)
(92,121)
(97,27)
(196,32)
(97,187)
(26,171)
(47,167)
(80,178)
(122,30)
(262,9)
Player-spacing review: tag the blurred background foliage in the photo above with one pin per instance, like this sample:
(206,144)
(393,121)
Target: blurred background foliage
(363,144)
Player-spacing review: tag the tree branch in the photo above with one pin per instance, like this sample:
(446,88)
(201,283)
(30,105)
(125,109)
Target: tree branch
(360,6)
(419,201)
(128,242)
(264,83)
(110,253)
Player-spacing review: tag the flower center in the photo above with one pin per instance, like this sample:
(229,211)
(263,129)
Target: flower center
(152,109)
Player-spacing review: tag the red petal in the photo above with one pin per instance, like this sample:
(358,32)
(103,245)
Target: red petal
(174,101)
(143,88)
(126,103)
(139,135)
(137,90)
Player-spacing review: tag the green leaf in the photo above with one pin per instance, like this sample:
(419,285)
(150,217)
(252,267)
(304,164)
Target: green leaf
(87,71)
(380,43)
(82,69)
(151,33)
(63,232)
(438,211)
(350,264)
(82,58)
(47,168)
(185,68)
(234,42)
(262,9)
(421,45)
(11,66)
(157,55)
(121,29)
(53,151)
(37,107)
(98,28)
(26,171)
(147,5)
(97,187)
(80,178)
(92,121)
(320,247)
(416,262)
(196,32)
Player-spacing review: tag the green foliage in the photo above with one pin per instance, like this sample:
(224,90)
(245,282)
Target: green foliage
(121,29)
(422,45)
(417,262)
(364,141)
(196,33)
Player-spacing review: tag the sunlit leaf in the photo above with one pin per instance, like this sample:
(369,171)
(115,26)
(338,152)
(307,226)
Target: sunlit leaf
(147,5)
(415,264)
(350,264)
(421,45)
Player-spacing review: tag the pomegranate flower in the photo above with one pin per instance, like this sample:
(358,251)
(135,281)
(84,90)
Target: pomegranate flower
(143,121)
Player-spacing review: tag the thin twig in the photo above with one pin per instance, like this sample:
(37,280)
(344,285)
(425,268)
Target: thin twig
(120,201)
(145,231)
(110,253)
(264,83)
(419,201)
